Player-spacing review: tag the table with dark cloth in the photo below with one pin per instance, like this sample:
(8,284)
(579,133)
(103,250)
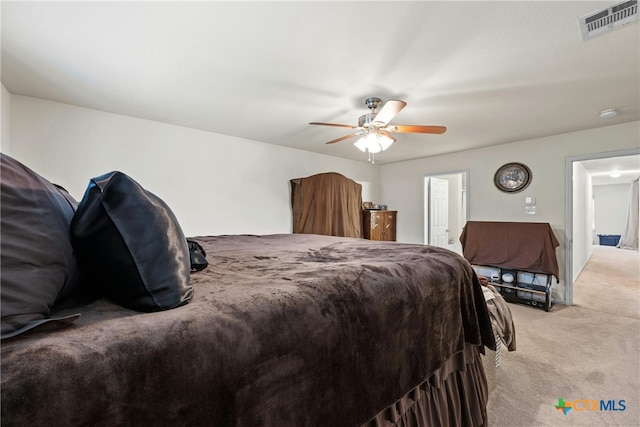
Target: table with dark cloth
(529,246)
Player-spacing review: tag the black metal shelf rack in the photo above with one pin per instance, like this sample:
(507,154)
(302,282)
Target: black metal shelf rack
(535,292)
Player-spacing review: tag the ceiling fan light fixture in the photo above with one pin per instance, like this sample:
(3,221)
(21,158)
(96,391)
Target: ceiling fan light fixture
(361,144)
(372,143)
(385,141)
(374,130)
(374,148)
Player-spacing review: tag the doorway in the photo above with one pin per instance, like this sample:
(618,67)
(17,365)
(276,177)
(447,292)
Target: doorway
(579,229)
(445,209)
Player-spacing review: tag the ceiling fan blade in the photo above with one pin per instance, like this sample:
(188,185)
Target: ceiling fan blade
(389,111)
(333,124)
(351,135)
(418,129)
(388,135)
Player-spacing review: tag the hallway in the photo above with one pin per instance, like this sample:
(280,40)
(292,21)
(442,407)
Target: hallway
(590,350)
(610,282)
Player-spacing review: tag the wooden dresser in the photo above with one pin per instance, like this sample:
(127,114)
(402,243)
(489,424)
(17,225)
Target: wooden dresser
(379,225)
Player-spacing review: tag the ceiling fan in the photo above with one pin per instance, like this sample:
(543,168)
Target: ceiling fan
(374,128)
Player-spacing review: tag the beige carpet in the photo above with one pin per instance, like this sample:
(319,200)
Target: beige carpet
(589,351)
(609,282)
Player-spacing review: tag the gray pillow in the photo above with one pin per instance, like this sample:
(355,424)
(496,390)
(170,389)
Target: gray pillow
(37,260)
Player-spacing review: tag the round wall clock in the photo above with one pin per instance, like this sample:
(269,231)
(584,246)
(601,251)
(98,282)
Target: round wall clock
(512,177)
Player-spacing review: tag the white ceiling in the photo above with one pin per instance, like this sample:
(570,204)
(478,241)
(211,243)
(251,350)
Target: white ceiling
(492,72)
(601,169)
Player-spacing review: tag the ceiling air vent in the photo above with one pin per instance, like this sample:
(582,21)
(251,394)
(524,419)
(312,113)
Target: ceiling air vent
(608,19)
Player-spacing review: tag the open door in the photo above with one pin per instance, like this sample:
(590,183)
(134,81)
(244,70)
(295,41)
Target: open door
(445,209)
(438,212)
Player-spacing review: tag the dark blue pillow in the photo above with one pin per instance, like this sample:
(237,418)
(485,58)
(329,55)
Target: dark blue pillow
(130,245)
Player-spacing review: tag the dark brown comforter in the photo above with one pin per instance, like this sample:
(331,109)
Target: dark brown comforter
(283,330)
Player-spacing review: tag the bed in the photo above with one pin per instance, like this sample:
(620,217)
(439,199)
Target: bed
(278,330)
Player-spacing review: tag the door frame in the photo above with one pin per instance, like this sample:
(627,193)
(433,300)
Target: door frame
(425,198)
(568,221)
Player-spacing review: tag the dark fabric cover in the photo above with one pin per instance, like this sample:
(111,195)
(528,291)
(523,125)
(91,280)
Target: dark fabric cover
(198,256)
(529,246)
(501,318)
(454,395)
(37,261)
(284,330)
(130,245)
(328,204)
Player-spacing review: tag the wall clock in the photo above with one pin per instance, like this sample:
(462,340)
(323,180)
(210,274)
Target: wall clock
(512,177)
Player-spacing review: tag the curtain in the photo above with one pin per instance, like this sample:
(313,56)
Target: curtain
(328,204)
(629,238)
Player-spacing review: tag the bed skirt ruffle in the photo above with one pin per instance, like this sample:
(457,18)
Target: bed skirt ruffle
(455,395)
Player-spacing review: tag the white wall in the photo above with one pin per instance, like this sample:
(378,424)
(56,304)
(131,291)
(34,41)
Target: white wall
(5,120)
(215,184)
(582,218)
(218,184)
(611,204)
(401,183)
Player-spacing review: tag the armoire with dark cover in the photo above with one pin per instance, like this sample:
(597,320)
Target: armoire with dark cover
(327,203)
